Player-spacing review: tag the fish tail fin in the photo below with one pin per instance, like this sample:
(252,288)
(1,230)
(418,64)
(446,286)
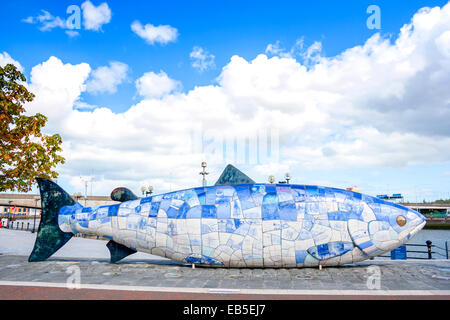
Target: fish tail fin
(49,237)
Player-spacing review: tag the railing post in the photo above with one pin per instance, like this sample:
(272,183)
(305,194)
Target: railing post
(446,249)
(429,248)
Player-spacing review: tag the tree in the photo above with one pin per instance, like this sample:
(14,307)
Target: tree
(25,153)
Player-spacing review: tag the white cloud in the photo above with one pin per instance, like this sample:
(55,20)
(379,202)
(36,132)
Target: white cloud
(107,78)
(5,59)
(381,104)
(151,34)
(201,59)
(57,86)
(47,21)
(152,85)
(95,17)
(72,34)
(275,49)
(81,105)
(307,56)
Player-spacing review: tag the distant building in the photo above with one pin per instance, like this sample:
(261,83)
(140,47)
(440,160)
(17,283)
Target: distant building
(30,204)
(396,197)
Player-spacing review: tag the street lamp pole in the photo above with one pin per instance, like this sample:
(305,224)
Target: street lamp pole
(36,199)
(288,177)
(204,173)
(9,211)
(85,192)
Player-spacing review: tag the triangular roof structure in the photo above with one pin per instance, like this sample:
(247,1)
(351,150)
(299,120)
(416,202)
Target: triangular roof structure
(232,175)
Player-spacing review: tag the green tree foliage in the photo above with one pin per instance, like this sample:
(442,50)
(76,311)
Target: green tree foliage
(25,153)
(445,201)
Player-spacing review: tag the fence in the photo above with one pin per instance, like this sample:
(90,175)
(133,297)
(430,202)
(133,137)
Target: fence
(19,225)
(430,250)
(28,226)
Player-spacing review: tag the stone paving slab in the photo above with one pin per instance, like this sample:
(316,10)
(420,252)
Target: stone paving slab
(394,275)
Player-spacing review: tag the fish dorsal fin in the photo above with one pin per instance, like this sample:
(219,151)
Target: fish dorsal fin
(123,194)
(232,175)
(118,251)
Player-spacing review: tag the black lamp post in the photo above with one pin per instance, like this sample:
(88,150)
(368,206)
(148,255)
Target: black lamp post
(288,177)
(9,211)
(36,199)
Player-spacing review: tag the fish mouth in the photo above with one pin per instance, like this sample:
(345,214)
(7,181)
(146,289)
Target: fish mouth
(418,228)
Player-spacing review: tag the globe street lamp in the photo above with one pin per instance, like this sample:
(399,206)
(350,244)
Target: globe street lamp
(77,196)
(288,177)
(204,173)
(147,191)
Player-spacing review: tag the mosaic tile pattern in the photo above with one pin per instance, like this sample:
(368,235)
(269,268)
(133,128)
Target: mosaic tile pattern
(253,225)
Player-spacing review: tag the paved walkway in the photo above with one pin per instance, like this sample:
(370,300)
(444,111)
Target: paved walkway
(164,279)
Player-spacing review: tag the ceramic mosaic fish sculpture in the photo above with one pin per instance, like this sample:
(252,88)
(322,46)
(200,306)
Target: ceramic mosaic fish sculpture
(233,225)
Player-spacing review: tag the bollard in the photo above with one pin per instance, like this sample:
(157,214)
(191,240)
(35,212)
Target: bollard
(428,242)
(446,249)
(28,226)
(22,226)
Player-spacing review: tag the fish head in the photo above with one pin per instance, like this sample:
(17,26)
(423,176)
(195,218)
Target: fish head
(404,223)
(383,226)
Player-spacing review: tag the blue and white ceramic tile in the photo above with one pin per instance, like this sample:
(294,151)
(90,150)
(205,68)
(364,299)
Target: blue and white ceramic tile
(252,225)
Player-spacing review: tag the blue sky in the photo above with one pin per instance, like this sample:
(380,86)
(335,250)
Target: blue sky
(223,29)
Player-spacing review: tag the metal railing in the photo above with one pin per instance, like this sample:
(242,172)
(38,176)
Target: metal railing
(429,250)
(28,226)
(19,225)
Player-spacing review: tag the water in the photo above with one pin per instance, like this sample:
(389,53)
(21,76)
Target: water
(437,237)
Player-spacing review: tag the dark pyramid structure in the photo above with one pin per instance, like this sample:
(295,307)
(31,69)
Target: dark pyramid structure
(232,175)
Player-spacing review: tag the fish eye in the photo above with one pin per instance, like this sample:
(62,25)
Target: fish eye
(401,221)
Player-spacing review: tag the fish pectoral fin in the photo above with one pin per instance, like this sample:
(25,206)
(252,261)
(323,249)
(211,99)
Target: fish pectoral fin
(232,175)
(330,249)
(123,194)
(118,251)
